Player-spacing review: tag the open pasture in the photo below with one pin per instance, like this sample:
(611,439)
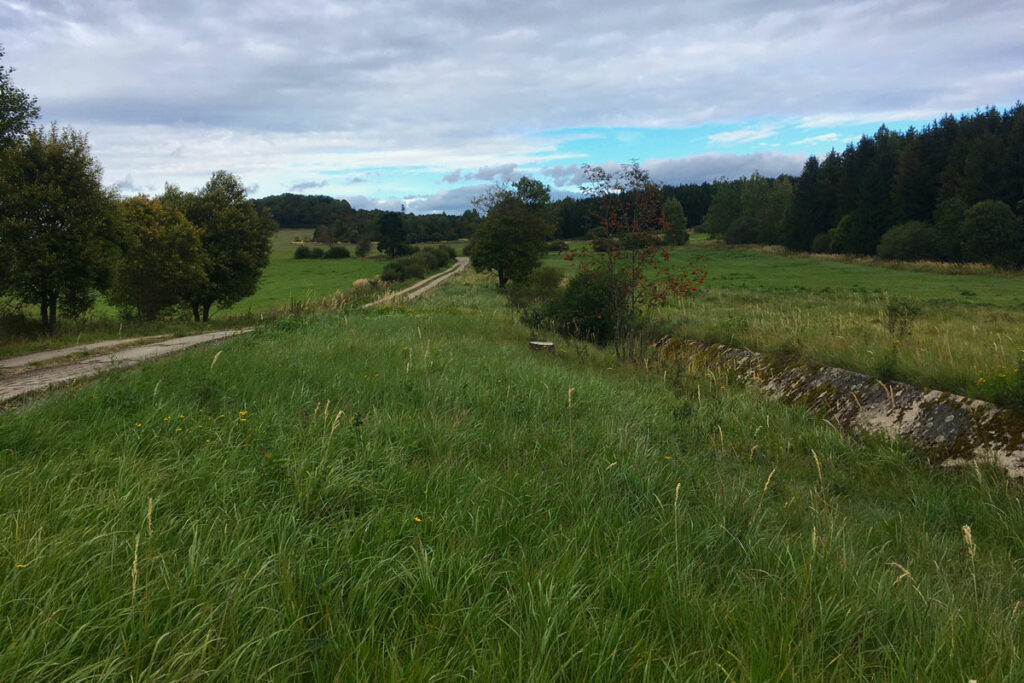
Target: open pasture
(969,327)
(409,493)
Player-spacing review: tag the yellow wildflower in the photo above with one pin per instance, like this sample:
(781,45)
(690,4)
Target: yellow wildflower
(417,519)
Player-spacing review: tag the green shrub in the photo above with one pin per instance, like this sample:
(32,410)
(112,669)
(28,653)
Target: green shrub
(418,264)
(822,243)
(337,251)
(541,286)
(363,246)
(911,241)
(585,309)
(316,252)
(558,246)
(302,252)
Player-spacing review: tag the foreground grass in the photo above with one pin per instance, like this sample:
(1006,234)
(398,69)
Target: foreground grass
(408,494)
(970,326)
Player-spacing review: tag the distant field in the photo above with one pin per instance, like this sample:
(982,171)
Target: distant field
(410,494)
(970,326)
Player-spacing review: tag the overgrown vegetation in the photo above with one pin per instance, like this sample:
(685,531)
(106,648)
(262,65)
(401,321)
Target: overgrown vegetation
(418,264)
(445,503)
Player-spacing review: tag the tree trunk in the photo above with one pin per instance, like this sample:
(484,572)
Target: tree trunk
(195,311)
(501,277)
(51,324)
(206,311)
(44,314)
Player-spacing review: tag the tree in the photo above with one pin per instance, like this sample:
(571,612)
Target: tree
(235,237)
(18,109)
(163,262)
(639,277)
(675,219)
(57,233)
(910,241)
(512,236)
(992,234)
(392,234)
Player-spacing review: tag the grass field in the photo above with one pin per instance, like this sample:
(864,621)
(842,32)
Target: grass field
(410,494)
(970,326)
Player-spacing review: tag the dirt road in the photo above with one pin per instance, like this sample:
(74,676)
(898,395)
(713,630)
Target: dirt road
(22,375)
(20,378)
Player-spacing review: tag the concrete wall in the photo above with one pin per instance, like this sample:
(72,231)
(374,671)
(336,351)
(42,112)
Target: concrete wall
(950,429)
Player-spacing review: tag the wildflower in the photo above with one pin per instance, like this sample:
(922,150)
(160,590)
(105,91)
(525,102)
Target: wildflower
(181,416)
(167,419)
(668,457)
(243,413)
(138,424)
(179,429)
(417,519)
(242,419)
(22,566)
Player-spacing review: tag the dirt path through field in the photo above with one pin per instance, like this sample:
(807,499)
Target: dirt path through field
(23,375)
(25,380)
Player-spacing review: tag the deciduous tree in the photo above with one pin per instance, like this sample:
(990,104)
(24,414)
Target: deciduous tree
(57,230)
(18,109)
(511,238)
(235,237)
(639,275)
(163,261)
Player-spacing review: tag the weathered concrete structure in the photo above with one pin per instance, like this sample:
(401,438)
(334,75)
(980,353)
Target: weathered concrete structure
(950,429)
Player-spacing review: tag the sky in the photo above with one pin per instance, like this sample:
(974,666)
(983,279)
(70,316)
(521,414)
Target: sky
(427,103)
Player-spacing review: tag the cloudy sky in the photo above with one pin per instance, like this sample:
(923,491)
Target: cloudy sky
(428,102)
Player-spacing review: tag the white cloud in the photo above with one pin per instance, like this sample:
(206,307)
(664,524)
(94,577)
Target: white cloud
(744,135)
(708,167)
(272,91)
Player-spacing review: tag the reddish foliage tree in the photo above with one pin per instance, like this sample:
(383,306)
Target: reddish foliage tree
(626,245)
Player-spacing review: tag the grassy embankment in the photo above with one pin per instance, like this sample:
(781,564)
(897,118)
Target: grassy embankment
(970,325)
(408,494)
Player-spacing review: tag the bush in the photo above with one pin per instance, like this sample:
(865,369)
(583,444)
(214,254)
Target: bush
(540,286)
(316,252)
(302,252)
(912,241)
(585,309)
(363,246)
(822,243)
(558,246)
(993,234)
(418,265)
(337,252)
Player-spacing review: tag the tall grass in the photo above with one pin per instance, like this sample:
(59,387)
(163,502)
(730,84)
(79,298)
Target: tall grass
(406,493)
(832,311)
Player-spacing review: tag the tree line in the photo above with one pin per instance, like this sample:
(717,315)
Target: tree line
(334,220)
(65,239)
(953,191)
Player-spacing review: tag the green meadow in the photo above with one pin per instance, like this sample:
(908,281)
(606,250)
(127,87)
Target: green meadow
(408,493)
(969,328)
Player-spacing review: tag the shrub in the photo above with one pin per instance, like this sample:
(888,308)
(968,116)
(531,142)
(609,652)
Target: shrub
(992,234)
(558,246)
(540,286)
(585,309)
(418,264)
(912,241)
(316,252)
(822,243)
(363,246)
(337,252)
(302,252)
